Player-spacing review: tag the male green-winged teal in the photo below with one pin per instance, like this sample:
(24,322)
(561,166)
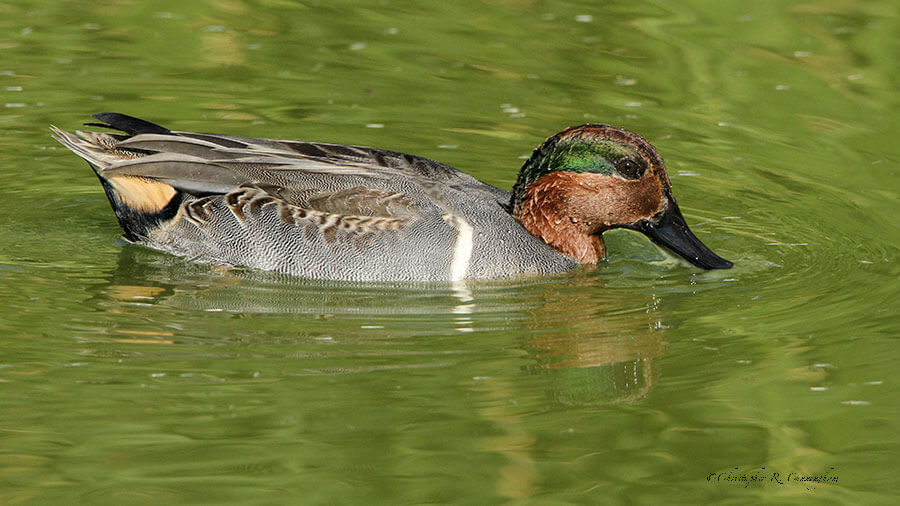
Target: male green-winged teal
(328,211)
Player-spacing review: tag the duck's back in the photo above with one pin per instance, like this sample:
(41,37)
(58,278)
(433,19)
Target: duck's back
(310,209)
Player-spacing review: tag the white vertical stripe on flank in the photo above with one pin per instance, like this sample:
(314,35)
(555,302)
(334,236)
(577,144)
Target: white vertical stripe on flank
(462,249)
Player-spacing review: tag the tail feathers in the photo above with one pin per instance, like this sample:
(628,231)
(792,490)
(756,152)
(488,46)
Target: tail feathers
(140,203)
(128,124)
(88,145)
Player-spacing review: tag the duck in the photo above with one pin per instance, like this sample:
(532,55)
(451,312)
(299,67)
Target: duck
(351,213)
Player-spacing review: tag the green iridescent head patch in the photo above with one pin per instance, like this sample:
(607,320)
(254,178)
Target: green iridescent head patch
(587,148)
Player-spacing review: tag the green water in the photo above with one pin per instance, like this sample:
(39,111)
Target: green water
(131,377)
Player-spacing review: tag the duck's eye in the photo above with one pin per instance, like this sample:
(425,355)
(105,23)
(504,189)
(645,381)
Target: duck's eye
(630,168)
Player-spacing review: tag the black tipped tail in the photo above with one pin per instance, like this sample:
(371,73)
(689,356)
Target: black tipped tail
(128,124)
(141,203)
(137,223)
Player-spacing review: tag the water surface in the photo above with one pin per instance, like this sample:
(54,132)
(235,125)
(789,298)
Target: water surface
(132,376)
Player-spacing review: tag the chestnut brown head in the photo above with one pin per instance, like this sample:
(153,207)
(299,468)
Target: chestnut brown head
(591,178)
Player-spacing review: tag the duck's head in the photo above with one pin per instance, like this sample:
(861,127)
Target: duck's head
(591,178)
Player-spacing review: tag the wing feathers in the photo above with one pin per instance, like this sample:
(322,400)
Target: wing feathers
(187,173)
(365,201)
(345,190)
(249,203)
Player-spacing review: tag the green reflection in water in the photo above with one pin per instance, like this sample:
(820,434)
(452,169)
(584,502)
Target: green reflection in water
(129,375)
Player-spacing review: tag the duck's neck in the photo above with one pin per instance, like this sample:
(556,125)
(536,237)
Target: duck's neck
(543,212)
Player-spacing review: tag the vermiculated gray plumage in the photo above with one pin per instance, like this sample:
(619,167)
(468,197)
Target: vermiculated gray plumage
(315,210)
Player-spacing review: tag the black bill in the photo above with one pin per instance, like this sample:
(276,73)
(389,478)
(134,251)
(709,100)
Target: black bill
(669,230)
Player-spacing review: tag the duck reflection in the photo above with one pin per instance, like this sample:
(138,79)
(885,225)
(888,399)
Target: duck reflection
(601,355)
(144,275)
